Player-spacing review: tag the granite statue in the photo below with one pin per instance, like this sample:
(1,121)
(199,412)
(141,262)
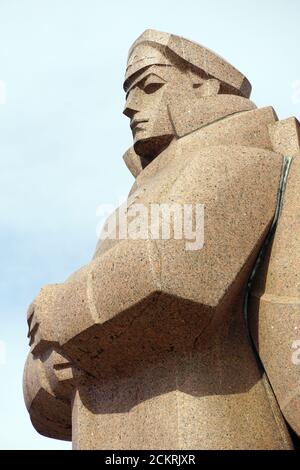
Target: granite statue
(152,345)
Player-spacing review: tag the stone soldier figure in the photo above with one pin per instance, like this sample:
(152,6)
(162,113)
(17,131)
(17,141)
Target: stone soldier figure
(155,346)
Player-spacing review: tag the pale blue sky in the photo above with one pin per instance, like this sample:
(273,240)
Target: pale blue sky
(62,135)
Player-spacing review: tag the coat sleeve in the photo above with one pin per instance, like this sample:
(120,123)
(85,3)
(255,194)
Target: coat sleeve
(274,309)
(139,298)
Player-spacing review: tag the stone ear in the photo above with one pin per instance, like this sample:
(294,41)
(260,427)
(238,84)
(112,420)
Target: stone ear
(210,87)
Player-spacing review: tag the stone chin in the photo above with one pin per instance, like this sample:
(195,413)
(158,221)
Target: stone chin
(150,147)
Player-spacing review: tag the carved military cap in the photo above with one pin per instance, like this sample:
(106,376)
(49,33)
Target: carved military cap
(154,48)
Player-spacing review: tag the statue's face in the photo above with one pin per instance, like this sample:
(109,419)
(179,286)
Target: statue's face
(147,100)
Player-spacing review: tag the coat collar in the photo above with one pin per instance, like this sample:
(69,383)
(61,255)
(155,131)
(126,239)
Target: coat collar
(194,117)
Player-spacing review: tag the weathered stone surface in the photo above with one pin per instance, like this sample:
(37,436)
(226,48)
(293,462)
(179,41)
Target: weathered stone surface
(206,62)
(152,329)
(275,305)
(47,394)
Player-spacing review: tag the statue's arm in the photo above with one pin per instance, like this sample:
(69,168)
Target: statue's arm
(274,310)
(141,297)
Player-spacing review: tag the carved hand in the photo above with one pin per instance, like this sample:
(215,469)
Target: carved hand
(41,318)
(57,311)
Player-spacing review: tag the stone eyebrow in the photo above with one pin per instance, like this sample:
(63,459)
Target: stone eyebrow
(144,76)
(144,79)
(161,79)
(141,78)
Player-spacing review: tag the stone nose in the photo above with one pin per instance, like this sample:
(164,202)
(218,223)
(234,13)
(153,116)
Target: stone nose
(133,103)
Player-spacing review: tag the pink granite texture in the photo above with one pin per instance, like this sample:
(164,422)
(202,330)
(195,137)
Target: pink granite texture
(146,347)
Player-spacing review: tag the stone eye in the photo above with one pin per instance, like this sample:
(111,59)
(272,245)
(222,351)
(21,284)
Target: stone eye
(152,83)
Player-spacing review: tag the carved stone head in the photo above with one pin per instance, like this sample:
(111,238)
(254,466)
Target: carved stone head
(168,78)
